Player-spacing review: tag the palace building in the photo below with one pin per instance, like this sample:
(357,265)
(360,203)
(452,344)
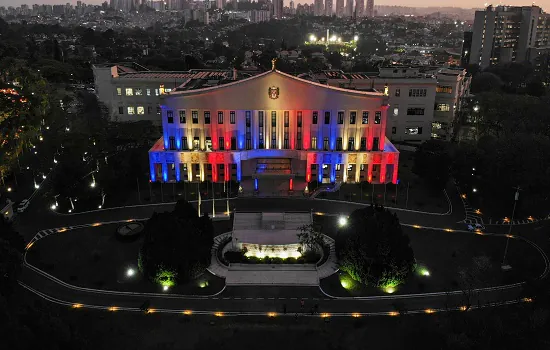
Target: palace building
(273,126)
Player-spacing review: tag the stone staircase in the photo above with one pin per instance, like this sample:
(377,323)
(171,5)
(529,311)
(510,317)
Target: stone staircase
(330,266)
(216,267)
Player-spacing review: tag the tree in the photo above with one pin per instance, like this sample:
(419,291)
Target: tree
(431,163)
(177,245)
(310,236)
(373,249)
(486,81)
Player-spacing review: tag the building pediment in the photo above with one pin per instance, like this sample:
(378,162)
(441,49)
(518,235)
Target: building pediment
(273,90)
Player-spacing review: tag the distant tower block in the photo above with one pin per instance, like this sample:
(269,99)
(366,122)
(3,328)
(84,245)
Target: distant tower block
(370,8)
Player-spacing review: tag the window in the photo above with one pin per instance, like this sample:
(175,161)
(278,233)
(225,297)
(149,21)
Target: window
(395,111)
(220,117)
(299,119)
(285,140)
(442,107)
(337,167)
(172,142)
(161,89)
(158,110)
(148,92)
(233,143)
(232,117)
(397,92)
(120,110)
(365,118)
(184,144)
(207,117)
(195,117)
(327,117)
(415,111)
(273,119)
(325,144)
(182,117)
(140,110)
(377,117)
(436,126)
(138,92)
(221,144)
(170,116)
(340,118)
(298,140)
(394,130)
(273,140)
(314,142)
(208,143)
(129,92)
(413,131)
(149,109)
(363,146)
(157,92)
(417,92)
(315,117)
(248,117)
(119,91)
(351,144)
(362,167)
(444,89)
(286,121)
(167,90)
(338,143)
(375,143)
(131,110)
(350,167)
(261,129)
(352,117)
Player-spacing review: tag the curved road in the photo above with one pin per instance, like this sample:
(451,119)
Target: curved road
(260,300)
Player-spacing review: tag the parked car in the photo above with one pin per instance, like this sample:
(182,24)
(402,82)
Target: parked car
(476,227)
(23,205)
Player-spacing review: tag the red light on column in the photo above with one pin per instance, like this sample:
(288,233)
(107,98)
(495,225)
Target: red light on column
(308,177)
(227,144)
(290,185)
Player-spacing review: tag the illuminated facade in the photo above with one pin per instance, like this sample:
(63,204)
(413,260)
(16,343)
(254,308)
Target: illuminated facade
(274,125)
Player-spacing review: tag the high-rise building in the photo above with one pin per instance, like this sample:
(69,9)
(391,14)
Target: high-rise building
(466,49)
(339,8)
(319,9)
(278,9)
(507,33)
(370,9)
(292,7)
(329,8)
(359,8)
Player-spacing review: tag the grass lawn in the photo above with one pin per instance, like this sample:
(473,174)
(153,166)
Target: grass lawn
(444,254)
(93,257)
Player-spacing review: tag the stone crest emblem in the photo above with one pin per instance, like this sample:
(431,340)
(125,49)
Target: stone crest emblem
(273,92)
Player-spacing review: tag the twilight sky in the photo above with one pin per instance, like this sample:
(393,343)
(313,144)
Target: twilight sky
(545,4)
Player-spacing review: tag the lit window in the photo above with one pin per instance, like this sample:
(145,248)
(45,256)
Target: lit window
(140,110)
(167,90)
(365,119)
(131,110)
(377,117)
(148,92)
(157,92)
(395,111)
(161,89)
(139,92)
(337,167)
(413,131)
(119,91)
(129,92)
(442,107)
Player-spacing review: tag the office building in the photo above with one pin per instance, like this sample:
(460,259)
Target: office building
(504,34)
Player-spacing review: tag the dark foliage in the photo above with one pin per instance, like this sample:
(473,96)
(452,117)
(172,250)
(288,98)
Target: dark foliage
(178,241)
(373,249)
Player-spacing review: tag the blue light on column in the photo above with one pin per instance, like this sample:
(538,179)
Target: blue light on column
(165,172)
(153,177)
(178,143)
(178,175)
(241,141)
(320,175)
(239,172)
(256,184)
(165,141)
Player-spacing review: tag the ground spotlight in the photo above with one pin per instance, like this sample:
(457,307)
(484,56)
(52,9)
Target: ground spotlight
(130,272)
(53,207)
(165,287)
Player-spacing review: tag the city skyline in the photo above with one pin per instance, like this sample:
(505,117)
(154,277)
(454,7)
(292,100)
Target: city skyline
(408,3)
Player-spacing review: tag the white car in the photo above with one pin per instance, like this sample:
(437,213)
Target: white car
(476,227)
(23,205)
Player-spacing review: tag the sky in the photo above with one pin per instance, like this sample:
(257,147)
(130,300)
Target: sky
(545,4)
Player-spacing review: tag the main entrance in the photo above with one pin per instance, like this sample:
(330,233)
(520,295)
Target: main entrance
(273,176)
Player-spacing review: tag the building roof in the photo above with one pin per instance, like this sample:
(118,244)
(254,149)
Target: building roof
(269,228)
(267,74)
(176,75)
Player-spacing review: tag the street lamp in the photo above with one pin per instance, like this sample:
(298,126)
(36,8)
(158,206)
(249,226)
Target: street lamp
(516,197)
(474,190)
(342,221)
(130,272)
